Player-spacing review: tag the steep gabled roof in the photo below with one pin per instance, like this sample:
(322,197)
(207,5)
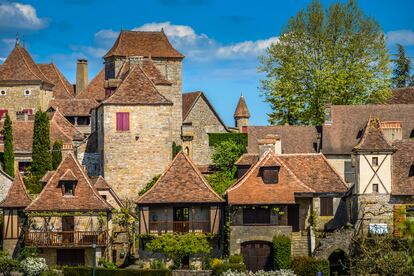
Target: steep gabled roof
(86,198)
(74,107)
(247,159)
(17,196)
(95,89)
(403,168)
(153,73)
(137,89)
(373,138)
(62,89)
(19,66)
(241,109)
(60,128)
(182,182)
(402,96)
(145,44)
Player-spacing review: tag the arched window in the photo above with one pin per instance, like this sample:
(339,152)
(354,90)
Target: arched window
(187,151)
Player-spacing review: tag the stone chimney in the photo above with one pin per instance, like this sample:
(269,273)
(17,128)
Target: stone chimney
(81,75)
(392,130)
(328,114)
(270,141)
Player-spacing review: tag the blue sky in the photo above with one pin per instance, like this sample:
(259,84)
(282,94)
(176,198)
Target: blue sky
(220,39)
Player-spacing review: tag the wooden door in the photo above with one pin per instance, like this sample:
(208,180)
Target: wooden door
(181,220)
(70,257)
(257,255)
(68,228)
(293,217)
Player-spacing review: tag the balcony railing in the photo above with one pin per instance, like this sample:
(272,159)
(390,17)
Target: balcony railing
(161,227)
(65,238)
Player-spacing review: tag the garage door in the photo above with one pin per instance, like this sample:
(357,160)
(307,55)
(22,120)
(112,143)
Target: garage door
(257,255)
(70,257)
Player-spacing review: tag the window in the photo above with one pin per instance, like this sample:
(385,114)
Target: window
(3,113)
(2,92)
(349,172)
(270,175)
(375,188)
(104,197)
(122,121)
(27,92)
(256,215)
(326,206)
(83,121)
(69,188)
(29,111)
(375,161)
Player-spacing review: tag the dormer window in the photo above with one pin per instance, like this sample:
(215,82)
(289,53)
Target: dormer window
(68,188)
(270,175)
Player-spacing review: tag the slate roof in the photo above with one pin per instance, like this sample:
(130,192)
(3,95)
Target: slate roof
(86,198)
(373,138)
(182,182)
(145,44)
(63,89)
(17,196)
(403,168)
(402,96)
(241,109)
(74,106)
(95,89)
(349,121)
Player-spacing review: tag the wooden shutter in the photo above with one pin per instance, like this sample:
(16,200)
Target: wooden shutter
(326,206)
(118,121)
(126,121)
(3,112)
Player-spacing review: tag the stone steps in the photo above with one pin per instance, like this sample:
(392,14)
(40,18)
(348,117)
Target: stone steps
(300,244)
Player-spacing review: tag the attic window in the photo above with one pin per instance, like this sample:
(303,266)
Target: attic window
(68,188)
(3,93)
(270,175)
(375,161)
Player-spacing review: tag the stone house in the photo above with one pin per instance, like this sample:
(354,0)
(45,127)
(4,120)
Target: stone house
(5,183)
(282,194)
(181,201)
(69,221)
(242,115)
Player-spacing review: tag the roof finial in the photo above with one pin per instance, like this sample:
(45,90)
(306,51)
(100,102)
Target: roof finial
(17,39)
(162,29)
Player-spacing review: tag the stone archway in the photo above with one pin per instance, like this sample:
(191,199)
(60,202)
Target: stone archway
(339,262)
(338,240)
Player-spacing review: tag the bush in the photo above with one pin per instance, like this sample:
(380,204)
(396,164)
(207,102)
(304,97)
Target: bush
(33,266)
(87,271)
(236,259)
(309,266)
(27,252)
(282,252)
(282,272)
(7,264)
(220,269)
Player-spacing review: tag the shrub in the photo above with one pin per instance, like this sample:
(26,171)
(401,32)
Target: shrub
(309,266)
(158,264)
(7,264)
(33,266)
(236,259)
(27,252)
(282,272)
(87,271)
(281,252)
(220,269)
(50,272)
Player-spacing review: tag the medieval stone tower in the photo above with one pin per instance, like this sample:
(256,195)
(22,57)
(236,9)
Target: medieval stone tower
(241,115)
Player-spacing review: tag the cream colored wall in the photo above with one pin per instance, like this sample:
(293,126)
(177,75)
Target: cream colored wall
(338,163)
(366,173)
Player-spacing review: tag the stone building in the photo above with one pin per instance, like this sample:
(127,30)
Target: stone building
(5,183)
(241,115)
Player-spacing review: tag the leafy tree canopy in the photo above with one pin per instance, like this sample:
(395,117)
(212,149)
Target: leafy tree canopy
(402,67)
(8,147)
(42,159)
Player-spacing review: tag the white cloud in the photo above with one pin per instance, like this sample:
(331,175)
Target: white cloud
(245,48)
(404,37)
(2,59)
(14,15)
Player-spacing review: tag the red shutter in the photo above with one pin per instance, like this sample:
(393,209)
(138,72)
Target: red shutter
(126,121)
(122,121)
(3,112)
(118,121)
(29,111)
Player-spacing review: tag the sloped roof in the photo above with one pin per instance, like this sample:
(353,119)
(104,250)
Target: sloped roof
(47,176)
(17,196)
(349,121)
(101,184)
(250,189)
(153,73)
(86,198)
(247,159)
(62,89)
(182,182)
(74,107)
(137,89)
(19,66)
(145,44)
(403,168)
(61,127)
(373,139)
(95,89)
(241,109)
(402,96)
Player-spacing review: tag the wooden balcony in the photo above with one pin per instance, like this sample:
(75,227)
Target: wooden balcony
(65,238)
(162,227)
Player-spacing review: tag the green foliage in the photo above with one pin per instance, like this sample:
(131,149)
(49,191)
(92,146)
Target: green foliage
(42,159)
(8,147)
(7,264)
(215,139)
(236,259)
(282,252)
(226,154)
(32,183)
(56,153)
(225,266)
(407,230)
(106,264)
(309,266)
(332,55)
(175,149)
(27,252)
(50,272)
(149,185)
(177,246)
(87,271)
(158,264)
(402,66)
(221,180)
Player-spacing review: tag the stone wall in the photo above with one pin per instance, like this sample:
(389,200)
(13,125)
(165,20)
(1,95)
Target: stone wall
(5,183)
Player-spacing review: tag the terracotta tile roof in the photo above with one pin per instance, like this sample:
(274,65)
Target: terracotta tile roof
(47,176)
(153,73)
(101,184)
(68,176)
(60,128)
(189,99)
(62,89)
(180,183)
(250,189)
(241,109)
(403,168)
(85,198)
(349,121)
(294,139)
(247,159)
(137,89)
(145,44)
(19,66)
(402,96)
(74,107)
(373,139)
(95,89)
(17,196)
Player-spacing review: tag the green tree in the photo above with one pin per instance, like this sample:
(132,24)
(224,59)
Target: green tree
(335,55)
(401,72)
(56,153)
(8,147)
(149,185)
(42,160)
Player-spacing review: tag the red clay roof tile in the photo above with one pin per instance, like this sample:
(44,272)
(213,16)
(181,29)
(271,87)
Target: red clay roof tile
(62,89)
(241,109)
(17,196)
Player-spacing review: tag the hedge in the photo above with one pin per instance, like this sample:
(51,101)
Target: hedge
(216,138)
(218,270)
(309,266)
(100,271)
(281,252)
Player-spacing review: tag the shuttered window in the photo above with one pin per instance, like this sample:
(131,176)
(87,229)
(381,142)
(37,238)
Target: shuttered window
(122,121)
(3,113)
(256,216)
(29,111)
(326,206)
(270,175)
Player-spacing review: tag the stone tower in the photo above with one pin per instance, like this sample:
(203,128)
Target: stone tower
(241,115)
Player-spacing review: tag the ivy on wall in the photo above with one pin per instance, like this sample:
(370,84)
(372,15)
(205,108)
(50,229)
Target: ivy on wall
(217,138)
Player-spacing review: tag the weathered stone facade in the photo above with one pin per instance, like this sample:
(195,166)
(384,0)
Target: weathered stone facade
(5,183)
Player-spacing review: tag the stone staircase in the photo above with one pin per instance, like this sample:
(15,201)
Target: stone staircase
(300,244)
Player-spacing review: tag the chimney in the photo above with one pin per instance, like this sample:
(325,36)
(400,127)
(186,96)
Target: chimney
(270,141)
(392,130)
(81,75)
(328,114)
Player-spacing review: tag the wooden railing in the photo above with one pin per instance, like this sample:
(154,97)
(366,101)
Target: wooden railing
(161,227)
(65,238)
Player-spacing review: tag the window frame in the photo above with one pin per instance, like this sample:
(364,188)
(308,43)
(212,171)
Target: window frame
(374,161)
(326,208)
(27,94)
(122,123)
(267,177)
(64,188)
(375,191)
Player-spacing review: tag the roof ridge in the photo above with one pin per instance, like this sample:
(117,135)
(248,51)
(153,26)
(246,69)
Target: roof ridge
(30,69)
(60,79)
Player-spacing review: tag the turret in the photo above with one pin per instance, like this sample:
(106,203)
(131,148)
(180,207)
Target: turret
(241,115)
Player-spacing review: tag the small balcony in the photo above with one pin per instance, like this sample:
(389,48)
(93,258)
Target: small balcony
(66,238)
(162,227)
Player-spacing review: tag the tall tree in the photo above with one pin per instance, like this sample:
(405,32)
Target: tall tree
(401,73)
(56,153)
(42,160)
(335,55)
(8,147)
